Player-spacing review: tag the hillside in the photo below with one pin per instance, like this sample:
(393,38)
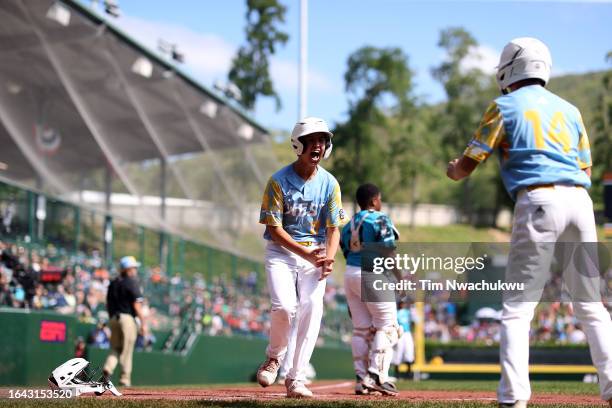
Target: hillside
(583,90)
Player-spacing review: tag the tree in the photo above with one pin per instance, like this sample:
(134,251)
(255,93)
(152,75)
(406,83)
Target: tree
(379,84)
(468,92)
(250,67)
(603,123)
(600,135)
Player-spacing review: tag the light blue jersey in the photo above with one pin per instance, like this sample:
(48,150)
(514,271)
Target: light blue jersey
(303,208)
(540,138)
(404,319)
(376,227)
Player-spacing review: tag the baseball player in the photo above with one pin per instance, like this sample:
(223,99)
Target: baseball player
(375,328)
(302,211)
(545,165)
(404,349)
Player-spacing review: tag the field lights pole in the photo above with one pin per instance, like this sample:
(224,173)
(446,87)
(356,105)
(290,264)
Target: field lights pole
(303,66)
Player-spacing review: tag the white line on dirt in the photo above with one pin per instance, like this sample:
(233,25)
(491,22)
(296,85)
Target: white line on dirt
(468,399)
(338,385)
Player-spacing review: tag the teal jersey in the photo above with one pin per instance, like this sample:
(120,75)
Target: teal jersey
(303,208)
(404,319)
(540,139)
(376,227)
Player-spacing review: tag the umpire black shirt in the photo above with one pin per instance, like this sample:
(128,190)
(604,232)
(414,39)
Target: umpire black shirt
(123,291)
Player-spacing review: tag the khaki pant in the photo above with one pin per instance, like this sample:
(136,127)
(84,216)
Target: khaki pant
(123,338)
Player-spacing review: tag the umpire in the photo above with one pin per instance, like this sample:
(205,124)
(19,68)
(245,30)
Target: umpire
(124,303)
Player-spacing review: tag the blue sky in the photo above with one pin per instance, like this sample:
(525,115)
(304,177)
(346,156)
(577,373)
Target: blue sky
(579,35)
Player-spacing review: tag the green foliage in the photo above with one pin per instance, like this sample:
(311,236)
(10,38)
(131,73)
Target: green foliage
(451,233)
(601,139)
(367,146)
(250,67)
(468,93)
(403,146)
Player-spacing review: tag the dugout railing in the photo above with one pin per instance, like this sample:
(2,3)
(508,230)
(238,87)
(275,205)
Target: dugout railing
(438,366)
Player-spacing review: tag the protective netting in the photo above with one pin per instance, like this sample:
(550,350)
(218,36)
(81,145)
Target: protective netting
(90,117)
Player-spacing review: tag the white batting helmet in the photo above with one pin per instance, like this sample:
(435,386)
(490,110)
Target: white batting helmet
(308,126)
(74,376)
(523,58)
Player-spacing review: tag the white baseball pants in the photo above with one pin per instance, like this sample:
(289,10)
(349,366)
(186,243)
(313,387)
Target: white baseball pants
(548,215)
(404,350)
(288,358)
(364,315)
(294,285)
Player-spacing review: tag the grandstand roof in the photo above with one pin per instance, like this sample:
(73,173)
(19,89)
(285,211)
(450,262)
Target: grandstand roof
(83,106)
(70,79)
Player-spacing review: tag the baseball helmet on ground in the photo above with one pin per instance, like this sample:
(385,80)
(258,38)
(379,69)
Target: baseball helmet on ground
(74,376)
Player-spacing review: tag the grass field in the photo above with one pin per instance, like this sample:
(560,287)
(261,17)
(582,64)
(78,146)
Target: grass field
(552,387)
(411,398)
(452,233)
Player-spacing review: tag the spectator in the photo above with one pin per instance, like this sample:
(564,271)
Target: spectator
(6,296)
(100,336)
(80,350)
(575,335)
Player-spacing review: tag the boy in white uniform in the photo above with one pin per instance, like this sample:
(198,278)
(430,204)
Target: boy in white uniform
(404,349)
(302,211)
(545,164)
(375,328)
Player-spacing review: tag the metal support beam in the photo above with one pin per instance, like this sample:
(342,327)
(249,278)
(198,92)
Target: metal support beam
(107,231)
(77,228)
(108,240)
(163,248)
(108,181)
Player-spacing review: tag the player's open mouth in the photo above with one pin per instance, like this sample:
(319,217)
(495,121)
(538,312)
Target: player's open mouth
(315,154)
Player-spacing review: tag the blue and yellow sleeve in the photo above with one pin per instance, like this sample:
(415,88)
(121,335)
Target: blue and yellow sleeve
(488,136)
(335,213)
(584,148)
(272,205)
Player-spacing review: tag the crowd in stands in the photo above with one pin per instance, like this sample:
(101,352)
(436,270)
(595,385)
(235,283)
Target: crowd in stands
(554,323)
(223,305)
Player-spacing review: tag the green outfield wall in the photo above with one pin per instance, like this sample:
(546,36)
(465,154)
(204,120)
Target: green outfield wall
(32,344)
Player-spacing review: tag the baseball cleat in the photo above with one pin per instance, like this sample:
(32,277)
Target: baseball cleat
(372,383)
(359,388)
(297,389)
(267,372)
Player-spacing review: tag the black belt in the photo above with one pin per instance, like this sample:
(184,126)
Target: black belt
(551,185)
(116,315)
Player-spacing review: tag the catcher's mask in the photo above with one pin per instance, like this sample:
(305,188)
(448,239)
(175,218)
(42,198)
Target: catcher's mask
(73,375)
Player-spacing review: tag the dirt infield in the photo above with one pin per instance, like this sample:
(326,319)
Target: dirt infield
(337,390)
